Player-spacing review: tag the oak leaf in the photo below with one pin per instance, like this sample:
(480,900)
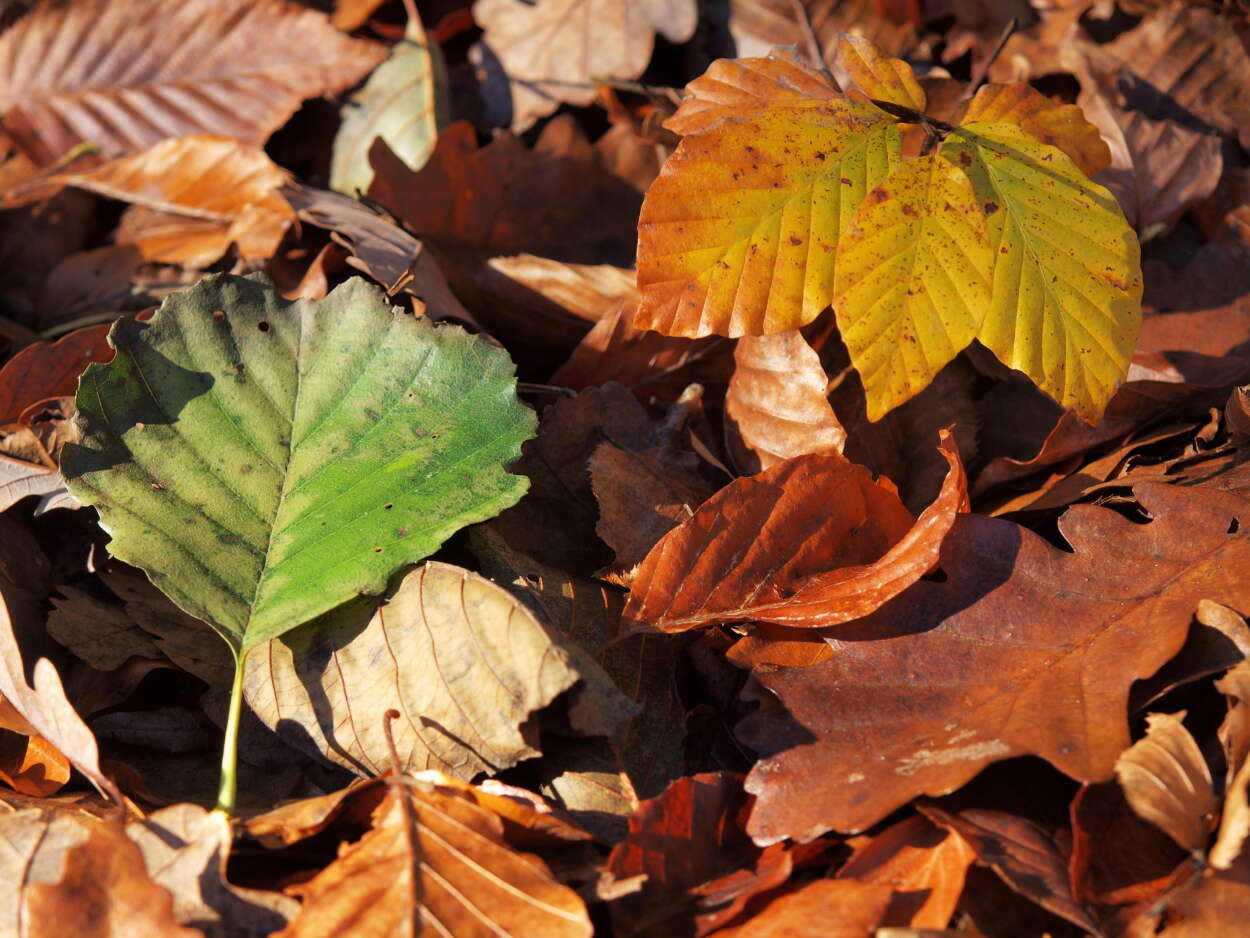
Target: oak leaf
(1023,649)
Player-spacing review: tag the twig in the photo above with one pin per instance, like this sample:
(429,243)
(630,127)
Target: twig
(814,52)
(983,70)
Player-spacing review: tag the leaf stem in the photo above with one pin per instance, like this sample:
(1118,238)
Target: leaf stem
(230,747)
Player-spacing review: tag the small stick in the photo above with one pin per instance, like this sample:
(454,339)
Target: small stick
(983,70)
(814,52)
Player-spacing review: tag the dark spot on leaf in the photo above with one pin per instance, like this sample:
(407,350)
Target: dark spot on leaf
(1003,250)
(219,315)
(377,550)
(820,156)
(263,326)
(246,468)
(795,241)
(239,368)
(909,211)
(1234,526)
(878,195)
(388,506)
(401,532)
(846,181)
(965,159)
(991,208)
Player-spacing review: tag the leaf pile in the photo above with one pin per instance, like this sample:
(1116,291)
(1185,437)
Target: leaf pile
(625,469)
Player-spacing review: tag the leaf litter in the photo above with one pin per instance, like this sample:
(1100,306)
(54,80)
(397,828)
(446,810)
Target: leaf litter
(658,471)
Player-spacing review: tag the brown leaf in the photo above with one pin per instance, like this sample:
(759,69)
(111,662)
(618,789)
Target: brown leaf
(542,286)
(923,864)
(102,891)
(447,873)
(464,660)
(777,405)
(757,25)
(1022,854)
(186,849)
(1023,649)
(29,764)
(70,71)
(826,908)
(811,542)
(1213,905)
(1234,735)
(553,51)
(49,369)
(1167,782)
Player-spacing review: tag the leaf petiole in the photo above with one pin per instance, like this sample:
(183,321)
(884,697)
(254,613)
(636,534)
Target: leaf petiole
(229,784)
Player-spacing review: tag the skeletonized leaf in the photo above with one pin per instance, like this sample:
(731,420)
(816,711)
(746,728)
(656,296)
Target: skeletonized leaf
(913,279)
(404,102)
(240,447)
(1066,303)
(738,234)
(464,661)
(125,74)
(811,542)
(879,75)
(1060,125)
(447,871)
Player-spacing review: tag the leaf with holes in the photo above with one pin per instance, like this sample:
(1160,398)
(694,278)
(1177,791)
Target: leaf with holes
(265,461)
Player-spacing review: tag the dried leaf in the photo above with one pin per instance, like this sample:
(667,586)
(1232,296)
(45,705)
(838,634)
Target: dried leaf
(462,659)
(115,73)
(446,873)
(756,25)
(826,908)
(554,50)
(812,542)
(49,369)
(20,480)
(1167,782)
(1001,659)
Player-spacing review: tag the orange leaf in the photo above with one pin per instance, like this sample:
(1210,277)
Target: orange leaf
(879,75)
(811,542)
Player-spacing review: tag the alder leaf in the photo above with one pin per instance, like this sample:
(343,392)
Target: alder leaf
(811,542)
(1023,649)
(404,102)
(240,448)
(126,74)
(461,658)
(1067,286)
(912,280)
(738,234)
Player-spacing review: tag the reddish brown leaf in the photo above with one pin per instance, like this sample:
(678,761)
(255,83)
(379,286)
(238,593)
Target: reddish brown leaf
(758,25)
(777,406)
(444,872)
(1211,904)
(827,908)
(1022,854)
(71,71)
(1167,782)
(1023,649)
(811,542)
(103,891)
(923,864)
(28,763)
(49,369)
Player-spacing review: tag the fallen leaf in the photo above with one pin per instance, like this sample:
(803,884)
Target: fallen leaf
(1205,907)
(980,671)
(102,891)
(437,867)
(70,72)
(826,908)
(462,659)
(49,369)
(878,75)
(777,405)
(29,764)
(553,51)
(771,548)
(758,25)
(1234,735)
(186,849)
(1167,782)
(1022,854)
(20,480)
(923,864)
(541,286)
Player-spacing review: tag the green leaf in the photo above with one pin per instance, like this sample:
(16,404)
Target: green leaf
(404,102)
(264,461)
(1066,296)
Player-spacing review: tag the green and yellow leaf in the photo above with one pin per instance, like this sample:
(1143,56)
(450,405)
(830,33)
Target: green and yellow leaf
(738,235)
(1066,303)
(1060,125)
(879,75)
(913,279)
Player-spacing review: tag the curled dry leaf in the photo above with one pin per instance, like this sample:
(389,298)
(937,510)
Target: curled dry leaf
(69,71)
(1003,658)
(461,658)
(923,864)
(438,867)
(554,51)
(777,406)
(1235,737)
(29,764)
(1167,782)
(811,542)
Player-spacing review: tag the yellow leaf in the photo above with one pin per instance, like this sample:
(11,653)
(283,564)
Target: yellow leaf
(913,279)
(1061,125)
(742,87)
(738,235)
(1066,306)
(879,75)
